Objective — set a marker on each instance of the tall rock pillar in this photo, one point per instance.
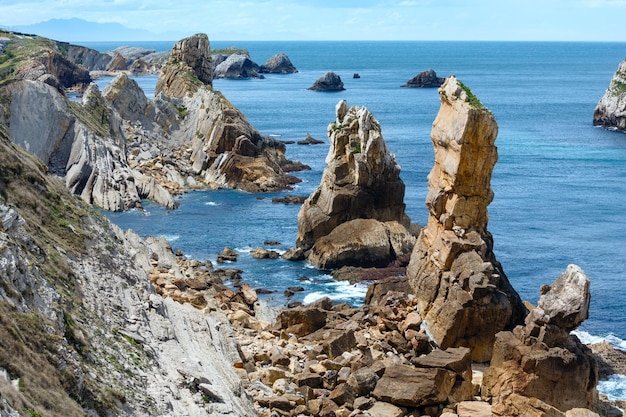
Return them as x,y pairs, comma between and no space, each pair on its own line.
463,294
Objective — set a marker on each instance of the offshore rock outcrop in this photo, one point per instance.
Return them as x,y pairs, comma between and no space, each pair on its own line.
278,64
237,66
425,79
361,181
463,294
328,82
564,373
611,109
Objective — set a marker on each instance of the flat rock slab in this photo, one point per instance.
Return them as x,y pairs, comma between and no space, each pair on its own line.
414,387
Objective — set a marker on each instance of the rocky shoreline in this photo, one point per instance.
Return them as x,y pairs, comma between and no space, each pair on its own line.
96,321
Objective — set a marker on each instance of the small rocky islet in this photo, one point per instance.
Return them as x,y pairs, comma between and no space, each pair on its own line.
118,325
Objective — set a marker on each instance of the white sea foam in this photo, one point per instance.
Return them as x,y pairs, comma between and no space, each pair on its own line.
338,291
170,238
212,204
589,339
614,387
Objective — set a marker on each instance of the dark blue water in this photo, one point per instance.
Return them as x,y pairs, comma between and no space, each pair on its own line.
560,183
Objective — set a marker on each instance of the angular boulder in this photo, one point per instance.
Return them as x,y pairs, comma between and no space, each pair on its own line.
361,181
611,109
361,242
462,292
425,79
414,387
328,82
540,361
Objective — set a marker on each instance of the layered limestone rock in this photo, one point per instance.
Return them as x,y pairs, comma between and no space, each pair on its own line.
80,324
226,150
81,141
361,181
190,56
123,148
540,362
463,294
611,109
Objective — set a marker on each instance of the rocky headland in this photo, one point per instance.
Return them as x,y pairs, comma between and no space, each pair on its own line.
95,321
117,147
611,109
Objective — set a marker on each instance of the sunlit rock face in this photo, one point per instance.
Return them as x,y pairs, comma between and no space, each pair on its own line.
361,181
611,109
463,293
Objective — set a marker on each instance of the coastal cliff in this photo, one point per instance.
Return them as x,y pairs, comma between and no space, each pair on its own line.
117,148
82,330
611,109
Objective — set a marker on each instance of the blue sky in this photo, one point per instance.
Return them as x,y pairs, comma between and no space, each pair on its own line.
552,20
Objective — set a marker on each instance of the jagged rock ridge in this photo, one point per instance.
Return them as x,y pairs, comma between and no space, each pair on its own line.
115,152
463,294
611,109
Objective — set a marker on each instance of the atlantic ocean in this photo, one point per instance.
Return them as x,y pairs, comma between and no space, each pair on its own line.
559,184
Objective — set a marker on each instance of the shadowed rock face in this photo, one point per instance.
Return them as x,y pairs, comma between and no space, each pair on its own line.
463,293
361,180
611,109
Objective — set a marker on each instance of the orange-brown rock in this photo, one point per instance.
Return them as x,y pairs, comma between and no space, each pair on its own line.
361,180
188,68
541,360
463,294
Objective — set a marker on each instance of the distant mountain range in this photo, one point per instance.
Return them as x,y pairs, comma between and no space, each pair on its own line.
77,30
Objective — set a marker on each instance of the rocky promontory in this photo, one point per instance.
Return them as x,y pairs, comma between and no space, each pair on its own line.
611,109
463,293
356,215
118,148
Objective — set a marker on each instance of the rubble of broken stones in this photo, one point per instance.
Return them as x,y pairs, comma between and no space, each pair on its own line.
326,359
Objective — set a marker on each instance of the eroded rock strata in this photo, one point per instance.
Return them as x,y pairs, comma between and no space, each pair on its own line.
611,109
117,148
463,294
356,215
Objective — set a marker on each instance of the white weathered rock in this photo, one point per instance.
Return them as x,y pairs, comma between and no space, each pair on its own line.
611,109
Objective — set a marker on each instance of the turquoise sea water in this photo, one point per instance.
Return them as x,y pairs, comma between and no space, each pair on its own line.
560,183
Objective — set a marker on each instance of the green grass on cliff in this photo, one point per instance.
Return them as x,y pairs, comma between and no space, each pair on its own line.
21,49
471,97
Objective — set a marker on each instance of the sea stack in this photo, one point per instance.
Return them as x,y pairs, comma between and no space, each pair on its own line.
611,110
361,182
463,294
